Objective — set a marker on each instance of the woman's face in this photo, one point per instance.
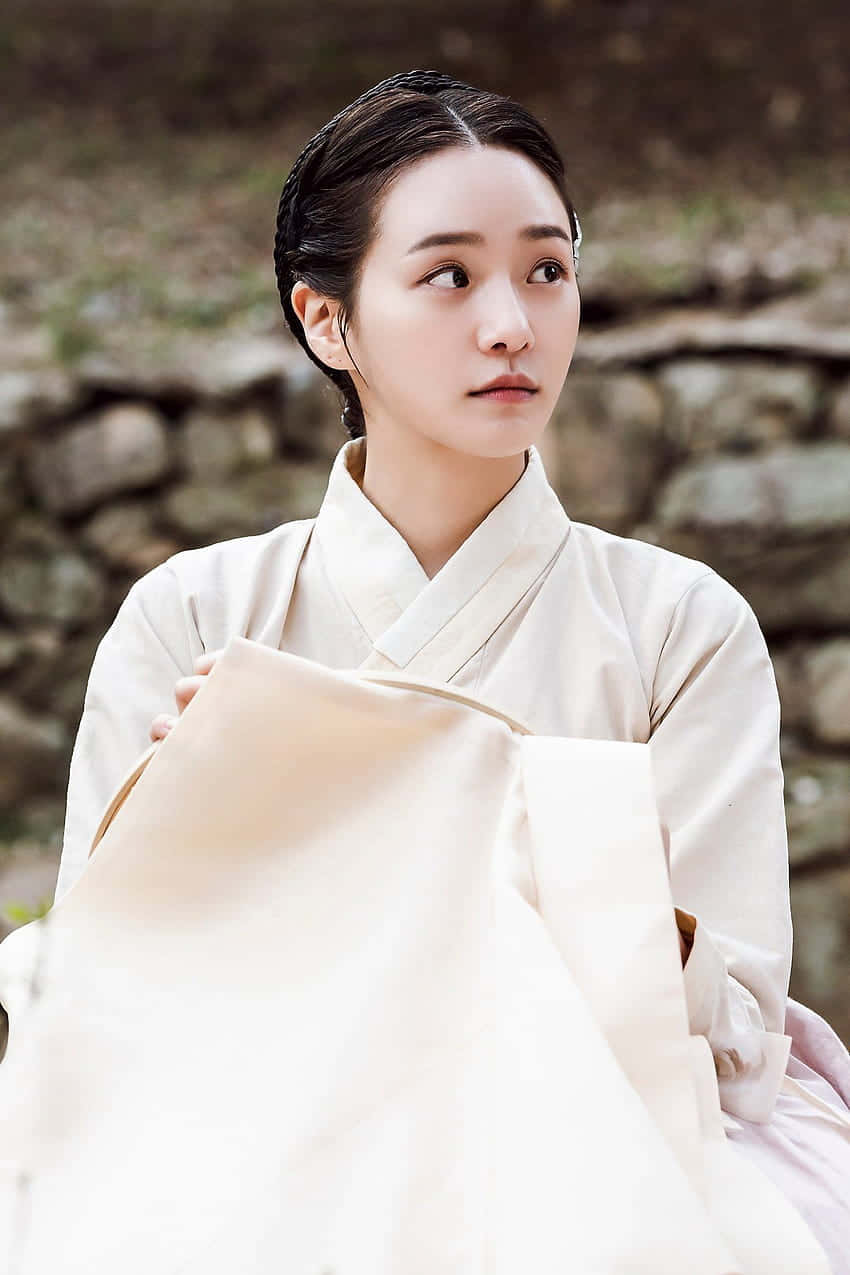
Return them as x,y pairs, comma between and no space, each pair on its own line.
436,322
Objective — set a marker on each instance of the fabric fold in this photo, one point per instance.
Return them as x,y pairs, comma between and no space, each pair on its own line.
379,1056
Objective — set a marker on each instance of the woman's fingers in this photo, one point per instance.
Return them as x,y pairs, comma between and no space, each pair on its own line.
184,689
161,725
204,662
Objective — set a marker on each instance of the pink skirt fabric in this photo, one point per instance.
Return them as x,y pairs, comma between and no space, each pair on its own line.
805,1147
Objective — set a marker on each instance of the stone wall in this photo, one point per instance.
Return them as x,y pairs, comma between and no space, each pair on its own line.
721,435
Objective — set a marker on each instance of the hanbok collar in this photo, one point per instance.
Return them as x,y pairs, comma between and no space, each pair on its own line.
432,627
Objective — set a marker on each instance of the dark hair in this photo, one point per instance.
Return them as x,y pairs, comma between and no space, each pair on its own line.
329,205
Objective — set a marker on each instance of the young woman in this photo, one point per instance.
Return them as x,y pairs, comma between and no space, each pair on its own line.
426,256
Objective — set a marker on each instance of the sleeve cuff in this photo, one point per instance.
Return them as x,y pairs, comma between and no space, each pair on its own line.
750,1062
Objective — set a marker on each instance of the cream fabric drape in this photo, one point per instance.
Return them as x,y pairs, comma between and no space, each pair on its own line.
578,633
573,630
363,979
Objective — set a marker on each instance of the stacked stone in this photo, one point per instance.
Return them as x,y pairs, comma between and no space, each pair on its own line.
721,434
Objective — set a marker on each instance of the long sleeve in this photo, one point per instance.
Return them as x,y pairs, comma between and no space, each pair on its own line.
152,642
719,786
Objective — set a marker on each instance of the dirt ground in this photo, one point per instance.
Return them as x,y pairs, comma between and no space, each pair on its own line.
639,92
146,143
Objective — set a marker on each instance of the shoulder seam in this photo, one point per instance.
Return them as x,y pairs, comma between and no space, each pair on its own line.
232,540
684,594
703,576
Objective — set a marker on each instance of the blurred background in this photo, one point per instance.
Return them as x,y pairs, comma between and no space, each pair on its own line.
151,399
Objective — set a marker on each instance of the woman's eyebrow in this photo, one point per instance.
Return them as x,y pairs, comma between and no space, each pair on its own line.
441,237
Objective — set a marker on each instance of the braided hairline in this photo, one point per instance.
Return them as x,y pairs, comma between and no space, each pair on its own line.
417,81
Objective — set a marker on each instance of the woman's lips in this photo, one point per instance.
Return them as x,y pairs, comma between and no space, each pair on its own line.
507,394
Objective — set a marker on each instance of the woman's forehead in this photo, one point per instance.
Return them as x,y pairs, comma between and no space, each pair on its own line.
485,191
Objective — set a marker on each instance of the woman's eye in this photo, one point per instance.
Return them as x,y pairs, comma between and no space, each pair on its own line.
450,270
459,270
555,265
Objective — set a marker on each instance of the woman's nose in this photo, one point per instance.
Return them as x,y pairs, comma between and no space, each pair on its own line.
505,321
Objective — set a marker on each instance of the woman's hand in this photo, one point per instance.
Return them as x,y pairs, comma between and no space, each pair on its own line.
684,945
684,949
185,688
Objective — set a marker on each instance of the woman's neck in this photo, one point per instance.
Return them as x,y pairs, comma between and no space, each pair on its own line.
434,497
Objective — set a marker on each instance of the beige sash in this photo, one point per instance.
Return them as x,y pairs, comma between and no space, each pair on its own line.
363,978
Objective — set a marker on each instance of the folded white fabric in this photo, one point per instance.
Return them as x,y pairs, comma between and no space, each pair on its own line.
364,978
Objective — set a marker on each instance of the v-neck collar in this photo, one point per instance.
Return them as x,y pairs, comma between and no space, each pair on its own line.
433,626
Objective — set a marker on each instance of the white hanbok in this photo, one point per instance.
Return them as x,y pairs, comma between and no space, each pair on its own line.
576,632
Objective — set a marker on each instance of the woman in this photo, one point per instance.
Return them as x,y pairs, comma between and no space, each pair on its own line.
430,220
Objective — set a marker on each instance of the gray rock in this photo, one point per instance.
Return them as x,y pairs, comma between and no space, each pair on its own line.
792,684
215,444
839,411
122,447
309,425
797,491
803,585
43,578
157,361
146,358
820,909
11,649
825,306
154,360
777,251
12,493
32,752
51,677
713,405
647,270
34,652
24,346
247,505
637,252
789,587
800,326
828,674
121,372
235,366
605,439
125,535
29,396
27,885
716,495
817,806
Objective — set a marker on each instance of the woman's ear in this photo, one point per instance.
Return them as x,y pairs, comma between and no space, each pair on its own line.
318,315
